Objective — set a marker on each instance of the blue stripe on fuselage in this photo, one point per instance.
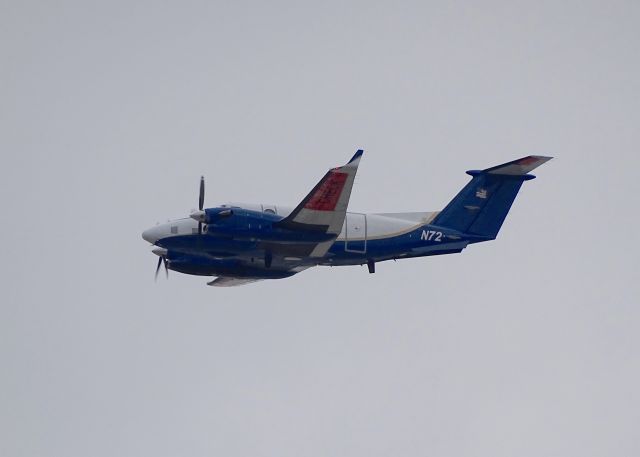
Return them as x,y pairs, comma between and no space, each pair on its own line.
424,240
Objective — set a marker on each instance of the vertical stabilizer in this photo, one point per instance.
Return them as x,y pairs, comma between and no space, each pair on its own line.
482,205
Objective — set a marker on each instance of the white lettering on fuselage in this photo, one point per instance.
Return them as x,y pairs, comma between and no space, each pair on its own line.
431,235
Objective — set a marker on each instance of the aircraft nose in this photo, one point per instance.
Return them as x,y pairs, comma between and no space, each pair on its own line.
150,235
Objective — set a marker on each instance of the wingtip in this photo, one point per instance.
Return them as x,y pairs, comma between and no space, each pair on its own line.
356,156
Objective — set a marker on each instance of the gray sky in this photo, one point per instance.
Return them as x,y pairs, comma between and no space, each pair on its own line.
109,113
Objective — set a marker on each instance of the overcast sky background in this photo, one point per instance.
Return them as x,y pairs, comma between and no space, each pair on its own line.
525,346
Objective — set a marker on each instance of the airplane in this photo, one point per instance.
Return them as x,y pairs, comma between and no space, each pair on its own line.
243,243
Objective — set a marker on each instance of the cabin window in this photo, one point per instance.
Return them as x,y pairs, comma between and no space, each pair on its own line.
174,229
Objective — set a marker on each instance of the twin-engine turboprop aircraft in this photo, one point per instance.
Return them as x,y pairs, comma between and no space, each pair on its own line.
243,243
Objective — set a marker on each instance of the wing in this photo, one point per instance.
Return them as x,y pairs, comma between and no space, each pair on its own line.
226,281
230,281
324,208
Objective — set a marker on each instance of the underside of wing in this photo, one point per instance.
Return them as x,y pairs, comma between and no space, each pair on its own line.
232,281
226,281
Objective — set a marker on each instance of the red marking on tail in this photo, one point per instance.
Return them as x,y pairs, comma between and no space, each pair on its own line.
527,161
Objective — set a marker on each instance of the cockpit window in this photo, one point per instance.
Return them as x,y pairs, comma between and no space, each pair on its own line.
269,210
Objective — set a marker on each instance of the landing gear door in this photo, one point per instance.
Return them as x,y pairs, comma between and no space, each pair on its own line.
355,233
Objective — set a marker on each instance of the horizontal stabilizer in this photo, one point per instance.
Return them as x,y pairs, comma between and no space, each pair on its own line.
518,167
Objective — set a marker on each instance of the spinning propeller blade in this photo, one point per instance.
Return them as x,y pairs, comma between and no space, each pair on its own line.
162,260
201,202
158,267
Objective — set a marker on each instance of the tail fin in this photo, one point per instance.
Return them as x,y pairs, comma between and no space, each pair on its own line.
482,205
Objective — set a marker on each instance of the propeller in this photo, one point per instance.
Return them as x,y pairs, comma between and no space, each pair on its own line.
201,203
162,260
198,215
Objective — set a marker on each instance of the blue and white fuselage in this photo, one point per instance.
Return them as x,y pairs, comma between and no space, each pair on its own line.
241,243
